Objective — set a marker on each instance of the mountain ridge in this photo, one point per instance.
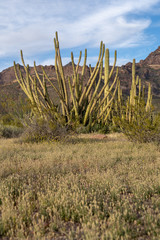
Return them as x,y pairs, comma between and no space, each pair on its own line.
147,69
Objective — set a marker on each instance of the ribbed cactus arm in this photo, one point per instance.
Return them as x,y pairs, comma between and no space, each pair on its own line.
19,79
149,98
88,110
140,89
59,60
133,86
101,53
106,72
110,101
37,75
25,84
114,64
79,60
25,68
73,99
109,90
75,77
57,91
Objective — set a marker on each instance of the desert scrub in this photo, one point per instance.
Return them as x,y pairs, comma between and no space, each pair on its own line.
8,131
84,190
144,126
13,108
38,129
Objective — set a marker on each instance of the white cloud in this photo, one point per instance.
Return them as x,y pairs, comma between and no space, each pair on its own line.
30,25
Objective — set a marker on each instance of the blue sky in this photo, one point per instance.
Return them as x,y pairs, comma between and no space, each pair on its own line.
132,27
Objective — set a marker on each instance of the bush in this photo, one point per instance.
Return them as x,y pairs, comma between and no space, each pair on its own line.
10,131
148,131
13,108
144,125
39,129
11,120
100,128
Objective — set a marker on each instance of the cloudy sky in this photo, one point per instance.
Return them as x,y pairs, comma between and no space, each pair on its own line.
132,27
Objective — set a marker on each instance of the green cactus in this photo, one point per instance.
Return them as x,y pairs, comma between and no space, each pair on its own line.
149,99
135,98
77,101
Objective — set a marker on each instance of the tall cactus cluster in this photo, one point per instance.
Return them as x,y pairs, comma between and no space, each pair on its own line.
80,102
137,120
137,95
97,100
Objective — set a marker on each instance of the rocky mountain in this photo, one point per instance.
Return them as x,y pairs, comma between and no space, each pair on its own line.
148,70
153,59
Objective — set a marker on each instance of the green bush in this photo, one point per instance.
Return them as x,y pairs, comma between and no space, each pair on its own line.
10,119
14,105
7,131
13,109
100,128
144,126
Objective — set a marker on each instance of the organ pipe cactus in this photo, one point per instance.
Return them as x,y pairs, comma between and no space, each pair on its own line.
136,97
79,100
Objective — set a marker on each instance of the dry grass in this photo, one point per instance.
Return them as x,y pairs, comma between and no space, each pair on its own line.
80,189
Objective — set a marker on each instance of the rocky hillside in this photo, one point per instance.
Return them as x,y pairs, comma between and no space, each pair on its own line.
148,70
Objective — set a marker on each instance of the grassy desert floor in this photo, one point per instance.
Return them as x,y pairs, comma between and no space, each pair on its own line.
84,188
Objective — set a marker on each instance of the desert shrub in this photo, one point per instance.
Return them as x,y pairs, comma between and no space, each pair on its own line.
101,128
144,126
7,131
10,120
81,129
14,105
39,129
97,127
13,109
7,119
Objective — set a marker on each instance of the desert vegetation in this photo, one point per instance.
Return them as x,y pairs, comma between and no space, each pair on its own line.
78,102
85,166
80,189
97,104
